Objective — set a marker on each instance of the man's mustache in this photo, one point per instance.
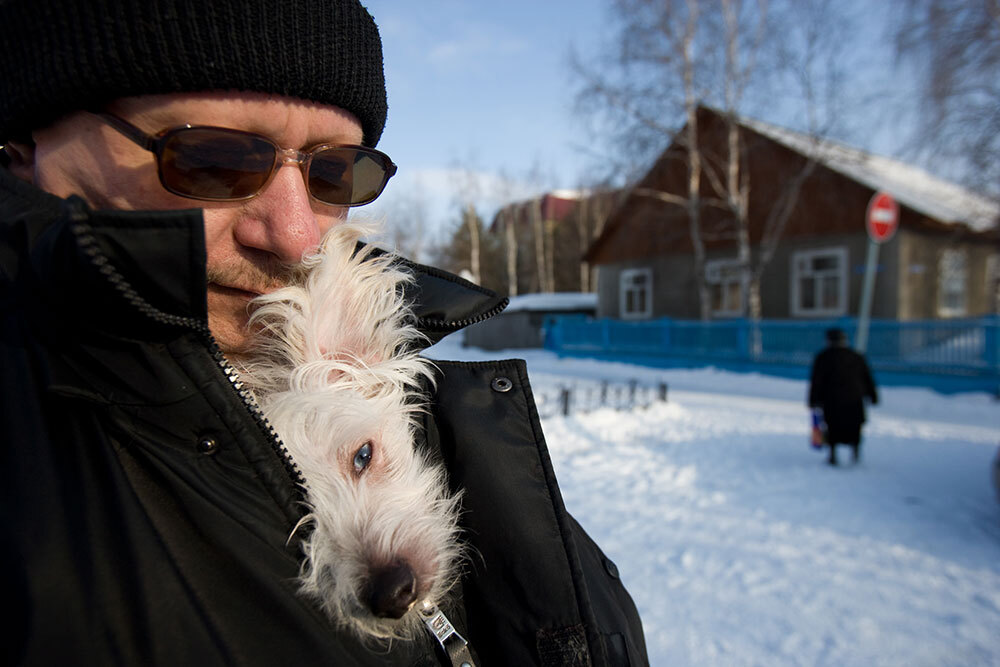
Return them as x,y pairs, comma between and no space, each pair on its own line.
261,278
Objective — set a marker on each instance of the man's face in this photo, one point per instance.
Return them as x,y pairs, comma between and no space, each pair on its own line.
248,242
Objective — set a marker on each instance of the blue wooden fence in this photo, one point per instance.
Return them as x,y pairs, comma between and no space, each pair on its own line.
947,355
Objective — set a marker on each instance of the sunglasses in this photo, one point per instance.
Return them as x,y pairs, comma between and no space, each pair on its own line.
222,164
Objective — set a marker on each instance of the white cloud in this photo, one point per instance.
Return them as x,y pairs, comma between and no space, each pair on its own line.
473,41
440,192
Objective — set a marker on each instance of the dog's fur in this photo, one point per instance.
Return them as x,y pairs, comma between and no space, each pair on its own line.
335,369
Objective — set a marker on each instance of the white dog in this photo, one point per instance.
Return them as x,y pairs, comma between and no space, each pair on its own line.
339,381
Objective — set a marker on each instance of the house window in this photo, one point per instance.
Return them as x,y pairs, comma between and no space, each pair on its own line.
636,293
953,277
819,282
993,283
724,286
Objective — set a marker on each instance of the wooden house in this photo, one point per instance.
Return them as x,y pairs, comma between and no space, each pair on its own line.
943,262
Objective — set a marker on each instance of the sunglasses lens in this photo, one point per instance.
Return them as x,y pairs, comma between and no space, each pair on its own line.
215,164
347,176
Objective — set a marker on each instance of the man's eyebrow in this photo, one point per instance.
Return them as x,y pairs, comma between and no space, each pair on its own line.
157,119
150,120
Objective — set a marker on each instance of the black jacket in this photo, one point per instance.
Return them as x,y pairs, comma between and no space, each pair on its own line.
146,506
840,380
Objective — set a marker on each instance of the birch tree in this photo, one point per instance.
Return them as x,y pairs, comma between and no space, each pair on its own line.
811,65
467,194
506,224
954,46
405,228
455,254
597,201
739,65
673,57
664,55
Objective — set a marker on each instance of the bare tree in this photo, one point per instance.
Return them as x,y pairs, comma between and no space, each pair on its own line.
506,223
739,65
672,58
955,47
456,254
405,228
596,202
542,229
523,223
654,77
810,64
472,222
584,216
468,190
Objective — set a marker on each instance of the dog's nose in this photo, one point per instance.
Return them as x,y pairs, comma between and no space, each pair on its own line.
392,591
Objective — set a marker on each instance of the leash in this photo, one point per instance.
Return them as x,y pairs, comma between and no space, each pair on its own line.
454,644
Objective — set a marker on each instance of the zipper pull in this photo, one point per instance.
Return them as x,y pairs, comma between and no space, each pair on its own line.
454,644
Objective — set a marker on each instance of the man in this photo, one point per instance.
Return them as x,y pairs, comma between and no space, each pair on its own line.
840,382
147,506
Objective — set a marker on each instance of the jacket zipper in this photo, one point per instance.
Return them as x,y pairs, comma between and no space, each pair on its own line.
429,324
437,624
88,244
453,644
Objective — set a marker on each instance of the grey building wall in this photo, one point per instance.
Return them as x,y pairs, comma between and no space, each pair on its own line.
675,290
506,330
518,329
920,279
776,286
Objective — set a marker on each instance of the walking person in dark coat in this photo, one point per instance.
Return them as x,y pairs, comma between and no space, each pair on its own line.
839,383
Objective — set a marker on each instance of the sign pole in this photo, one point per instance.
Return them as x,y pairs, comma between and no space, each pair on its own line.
867,291
881,220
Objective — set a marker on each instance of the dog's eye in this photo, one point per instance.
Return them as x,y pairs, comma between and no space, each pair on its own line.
363,457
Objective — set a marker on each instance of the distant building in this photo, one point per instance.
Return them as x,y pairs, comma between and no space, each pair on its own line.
521,324
943,262
545,237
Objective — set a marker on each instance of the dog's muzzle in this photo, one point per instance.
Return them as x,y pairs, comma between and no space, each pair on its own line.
391,591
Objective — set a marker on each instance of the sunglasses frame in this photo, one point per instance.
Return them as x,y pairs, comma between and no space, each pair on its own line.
155,143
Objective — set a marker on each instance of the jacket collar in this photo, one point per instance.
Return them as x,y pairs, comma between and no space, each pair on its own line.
155,260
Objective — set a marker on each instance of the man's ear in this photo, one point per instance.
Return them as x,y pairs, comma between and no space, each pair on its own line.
21,155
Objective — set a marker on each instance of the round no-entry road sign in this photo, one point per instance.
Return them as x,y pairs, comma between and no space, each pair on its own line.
882,218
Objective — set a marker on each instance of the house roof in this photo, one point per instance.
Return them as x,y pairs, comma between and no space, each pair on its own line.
555,205
553,302
937,201
909,185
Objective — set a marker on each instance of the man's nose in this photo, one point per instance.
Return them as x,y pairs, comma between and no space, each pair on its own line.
281,220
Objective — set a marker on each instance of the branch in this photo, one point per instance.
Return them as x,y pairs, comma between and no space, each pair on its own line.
779,215
665,197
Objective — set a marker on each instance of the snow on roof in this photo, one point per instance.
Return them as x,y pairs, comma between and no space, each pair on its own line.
909,185
569,194
556,301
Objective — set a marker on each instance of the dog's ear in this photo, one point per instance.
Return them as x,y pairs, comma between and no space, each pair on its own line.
345,327
356,312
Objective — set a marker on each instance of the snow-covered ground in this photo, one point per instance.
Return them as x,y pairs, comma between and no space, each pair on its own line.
741,546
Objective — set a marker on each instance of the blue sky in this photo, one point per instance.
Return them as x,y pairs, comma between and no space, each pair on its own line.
487,87
476,78
484,86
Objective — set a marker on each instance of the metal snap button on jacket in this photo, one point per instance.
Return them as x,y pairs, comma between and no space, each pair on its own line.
207,446
501,384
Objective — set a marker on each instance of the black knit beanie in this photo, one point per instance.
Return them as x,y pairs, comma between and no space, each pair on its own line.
64,55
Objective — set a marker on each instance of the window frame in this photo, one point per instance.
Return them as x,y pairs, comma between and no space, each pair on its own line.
993,284
943,308
713,276
623,288
843,296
